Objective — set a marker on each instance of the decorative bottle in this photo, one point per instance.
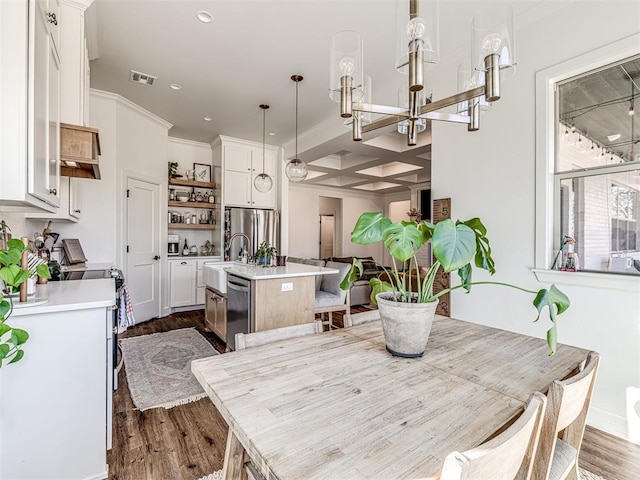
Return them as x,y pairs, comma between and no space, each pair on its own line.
185,249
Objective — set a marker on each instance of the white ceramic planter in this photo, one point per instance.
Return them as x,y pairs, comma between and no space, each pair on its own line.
406,326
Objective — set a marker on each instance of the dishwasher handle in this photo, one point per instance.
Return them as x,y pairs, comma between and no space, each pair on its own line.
237,287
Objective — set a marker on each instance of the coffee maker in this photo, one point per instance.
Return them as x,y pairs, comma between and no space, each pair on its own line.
173,242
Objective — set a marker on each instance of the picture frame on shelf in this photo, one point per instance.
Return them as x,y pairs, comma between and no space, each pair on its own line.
202,172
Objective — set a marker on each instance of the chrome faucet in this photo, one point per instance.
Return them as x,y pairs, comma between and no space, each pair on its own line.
240,234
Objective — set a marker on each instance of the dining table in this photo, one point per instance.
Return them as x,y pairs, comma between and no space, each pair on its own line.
337,405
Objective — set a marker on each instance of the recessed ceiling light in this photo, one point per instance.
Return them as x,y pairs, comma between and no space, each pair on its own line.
207,119
272,133
614,137
204,16
175,86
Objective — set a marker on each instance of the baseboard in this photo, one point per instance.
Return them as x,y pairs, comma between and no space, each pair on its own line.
608,422
187,309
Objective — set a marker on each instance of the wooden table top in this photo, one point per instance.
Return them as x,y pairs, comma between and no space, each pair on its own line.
338,405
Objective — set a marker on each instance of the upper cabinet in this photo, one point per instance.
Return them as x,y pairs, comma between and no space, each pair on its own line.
242,162
29,95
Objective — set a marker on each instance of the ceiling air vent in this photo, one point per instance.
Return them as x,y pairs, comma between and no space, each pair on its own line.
143,78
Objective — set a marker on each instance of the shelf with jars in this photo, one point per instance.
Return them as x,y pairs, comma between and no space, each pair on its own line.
194,199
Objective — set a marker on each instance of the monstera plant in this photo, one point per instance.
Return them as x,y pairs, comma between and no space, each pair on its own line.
457,247
12,275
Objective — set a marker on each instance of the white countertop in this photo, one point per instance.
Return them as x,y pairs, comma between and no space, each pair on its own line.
255,272
81,267
68,295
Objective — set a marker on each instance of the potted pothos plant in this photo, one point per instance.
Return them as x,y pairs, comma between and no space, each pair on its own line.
12,275
264,253
457,247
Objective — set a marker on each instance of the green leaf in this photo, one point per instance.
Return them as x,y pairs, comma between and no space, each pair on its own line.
4,328
352,275
19,336
17,357
369,228
4,309
557,302
465,276
402,241
4,349
453,245
16,244
14,275
550,298
43,271
379,286
483,257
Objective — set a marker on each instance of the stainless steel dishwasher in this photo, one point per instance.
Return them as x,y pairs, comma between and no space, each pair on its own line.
238,308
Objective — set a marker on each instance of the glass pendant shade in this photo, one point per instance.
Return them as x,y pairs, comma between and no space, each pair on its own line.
263,183
296,170
468,79
345,61
420,32
492,33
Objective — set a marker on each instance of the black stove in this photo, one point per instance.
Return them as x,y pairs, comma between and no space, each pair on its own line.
94,274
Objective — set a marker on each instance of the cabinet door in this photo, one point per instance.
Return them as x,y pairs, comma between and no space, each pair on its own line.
44,135
237,188
75,198
237,158
267,199
209,310
182,283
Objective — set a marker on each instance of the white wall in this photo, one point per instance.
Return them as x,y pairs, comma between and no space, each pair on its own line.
304,229
490,174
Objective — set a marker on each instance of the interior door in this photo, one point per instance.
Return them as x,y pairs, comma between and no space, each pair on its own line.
327,235
142,271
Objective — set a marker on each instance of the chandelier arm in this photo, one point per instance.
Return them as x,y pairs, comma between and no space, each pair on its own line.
398,114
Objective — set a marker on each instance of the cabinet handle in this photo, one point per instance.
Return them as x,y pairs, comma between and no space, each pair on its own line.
77,211
53,191
52,18
183,263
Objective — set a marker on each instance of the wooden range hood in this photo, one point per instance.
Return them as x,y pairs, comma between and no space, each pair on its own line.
79,150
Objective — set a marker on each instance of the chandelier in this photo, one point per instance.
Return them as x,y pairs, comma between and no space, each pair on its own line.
492,50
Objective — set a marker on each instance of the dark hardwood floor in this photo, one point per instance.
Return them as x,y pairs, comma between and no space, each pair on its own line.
187,442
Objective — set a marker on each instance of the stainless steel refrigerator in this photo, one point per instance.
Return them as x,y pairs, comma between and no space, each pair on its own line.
259,225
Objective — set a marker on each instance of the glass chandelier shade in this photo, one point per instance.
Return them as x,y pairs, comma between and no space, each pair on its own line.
492,33
362,95
417,33
345,65
296,170
263,182
469,78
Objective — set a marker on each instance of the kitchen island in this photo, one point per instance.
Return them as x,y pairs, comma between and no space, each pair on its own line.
55,403
251,298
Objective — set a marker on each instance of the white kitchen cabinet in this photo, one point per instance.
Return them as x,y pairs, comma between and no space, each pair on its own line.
70,202
56,403
242,162
182,283
186,281
29,95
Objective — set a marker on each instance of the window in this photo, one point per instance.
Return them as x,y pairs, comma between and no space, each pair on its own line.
588,159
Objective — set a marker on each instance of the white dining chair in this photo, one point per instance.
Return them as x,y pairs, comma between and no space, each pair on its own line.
507,456
564,423
255,339
361,317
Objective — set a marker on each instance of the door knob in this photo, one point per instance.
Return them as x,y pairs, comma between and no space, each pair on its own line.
157,257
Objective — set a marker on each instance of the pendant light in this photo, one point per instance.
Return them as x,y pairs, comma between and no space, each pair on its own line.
296,169
263,182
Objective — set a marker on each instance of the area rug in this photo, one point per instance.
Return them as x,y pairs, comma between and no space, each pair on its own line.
158,367
584,475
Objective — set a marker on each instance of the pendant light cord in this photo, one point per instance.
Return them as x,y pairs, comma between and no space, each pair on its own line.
264,121
297,120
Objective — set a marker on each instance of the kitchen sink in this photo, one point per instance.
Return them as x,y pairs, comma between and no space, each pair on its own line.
214,275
